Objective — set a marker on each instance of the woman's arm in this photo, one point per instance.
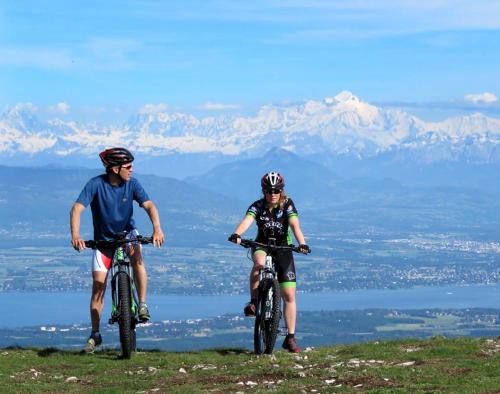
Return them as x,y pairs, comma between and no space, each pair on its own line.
295,226
243,226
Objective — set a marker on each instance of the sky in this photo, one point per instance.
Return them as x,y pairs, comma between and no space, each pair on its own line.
111,58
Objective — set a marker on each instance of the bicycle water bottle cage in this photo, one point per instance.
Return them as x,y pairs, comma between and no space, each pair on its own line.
120,256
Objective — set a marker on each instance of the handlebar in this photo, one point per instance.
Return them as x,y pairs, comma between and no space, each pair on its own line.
248,243
92,244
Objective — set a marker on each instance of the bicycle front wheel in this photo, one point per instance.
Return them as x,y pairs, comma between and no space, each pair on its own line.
267,316
127,332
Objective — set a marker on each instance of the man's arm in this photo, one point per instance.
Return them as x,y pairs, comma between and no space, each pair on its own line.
150,208
74,220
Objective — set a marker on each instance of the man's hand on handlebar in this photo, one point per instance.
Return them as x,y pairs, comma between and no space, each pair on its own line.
236,238
158,238
78,243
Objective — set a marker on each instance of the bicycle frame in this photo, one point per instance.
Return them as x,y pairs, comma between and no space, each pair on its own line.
268,272
120,263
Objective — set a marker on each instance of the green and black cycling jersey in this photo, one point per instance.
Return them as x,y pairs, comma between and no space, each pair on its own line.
274,222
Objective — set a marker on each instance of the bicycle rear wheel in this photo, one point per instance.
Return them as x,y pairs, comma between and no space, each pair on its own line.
267,316
125,321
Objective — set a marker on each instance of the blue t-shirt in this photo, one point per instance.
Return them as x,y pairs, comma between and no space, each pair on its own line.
112,206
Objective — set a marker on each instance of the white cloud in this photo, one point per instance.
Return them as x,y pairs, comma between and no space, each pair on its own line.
481,98
61,108
47,58
26,107
153,108
219,107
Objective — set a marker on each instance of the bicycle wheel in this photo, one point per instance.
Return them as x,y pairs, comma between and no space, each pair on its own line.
267,316
127,334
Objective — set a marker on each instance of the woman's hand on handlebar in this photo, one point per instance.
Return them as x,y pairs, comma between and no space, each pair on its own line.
236,238
304,248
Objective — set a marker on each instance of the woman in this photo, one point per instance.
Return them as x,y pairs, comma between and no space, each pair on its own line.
275,214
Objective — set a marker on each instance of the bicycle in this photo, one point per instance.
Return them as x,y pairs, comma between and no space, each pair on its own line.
268,308
124,307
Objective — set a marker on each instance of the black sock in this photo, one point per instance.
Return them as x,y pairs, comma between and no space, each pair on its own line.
290,336
95,334
254,301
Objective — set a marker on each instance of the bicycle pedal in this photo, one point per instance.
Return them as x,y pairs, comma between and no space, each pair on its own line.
111,321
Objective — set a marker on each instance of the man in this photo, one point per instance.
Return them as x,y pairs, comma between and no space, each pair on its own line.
111,196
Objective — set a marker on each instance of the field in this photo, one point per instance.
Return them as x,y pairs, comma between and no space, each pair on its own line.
435,365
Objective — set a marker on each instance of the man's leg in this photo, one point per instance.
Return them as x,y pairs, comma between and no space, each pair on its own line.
96,306
97,298
141,280
140,275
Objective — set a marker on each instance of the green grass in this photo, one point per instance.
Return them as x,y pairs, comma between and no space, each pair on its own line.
439,323
409,366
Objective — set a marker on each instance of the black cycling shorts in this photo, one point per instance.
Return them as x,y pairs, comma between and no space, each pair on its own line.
285,267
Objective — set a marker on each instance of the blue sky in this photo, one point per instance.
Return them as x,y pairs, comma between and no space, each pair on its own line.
112,57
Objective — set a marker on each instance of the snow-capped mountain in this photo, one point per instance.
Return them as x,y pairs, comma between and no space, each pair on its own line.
339,125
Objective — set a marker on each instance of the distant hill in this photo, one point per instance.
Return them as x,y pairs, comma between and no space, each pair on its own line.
406,366
35,203
306,181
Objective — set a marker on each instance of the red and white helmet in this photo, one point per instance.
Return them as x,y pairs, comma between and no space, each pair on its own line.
116,157
272,180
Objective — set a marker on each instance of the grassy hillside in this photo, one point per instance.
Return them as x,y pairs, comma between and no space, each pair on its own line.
436,365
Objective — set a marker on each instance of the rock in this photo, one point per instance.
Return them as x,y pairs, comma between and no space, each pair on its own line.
251,384
298,366
153,370
71,379
182,370
330,381
358,386
308,349
302,374
406,364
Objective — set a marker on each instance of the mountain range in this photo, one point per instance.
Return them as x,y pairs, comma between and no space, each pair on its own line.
336,128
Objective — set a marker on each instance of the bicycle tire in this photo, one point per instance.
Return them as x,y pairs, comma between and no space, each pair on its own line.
266,330
125,315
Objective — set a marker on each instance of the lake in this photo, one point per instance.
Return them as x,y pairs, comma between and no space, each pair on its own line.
37,309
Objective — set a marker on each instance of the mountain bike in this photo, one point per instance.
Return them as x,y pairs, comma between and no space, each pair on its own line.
124,307
268,308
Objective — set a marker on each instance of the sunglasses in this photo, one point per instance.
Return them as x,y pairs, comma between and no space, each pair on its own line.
128,167
273,191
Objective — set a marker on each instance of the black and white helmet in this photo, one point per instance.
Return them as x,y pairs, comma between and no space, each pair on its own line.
272,180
